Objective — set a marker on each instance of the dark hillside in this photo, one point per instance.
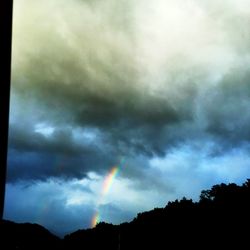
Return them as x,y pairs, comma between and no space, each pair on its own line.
220,220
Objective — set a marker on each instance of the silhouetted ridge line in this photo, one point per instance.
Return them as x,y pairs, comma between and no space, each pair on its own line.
26,236
219,220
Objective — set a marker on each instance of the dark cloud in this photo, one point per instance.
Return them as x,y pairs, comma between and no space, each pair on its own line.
33,155
61,141
111,83
227,111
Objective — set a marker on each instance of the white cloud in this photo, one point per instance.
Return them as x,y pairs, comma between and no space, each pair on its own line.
44,129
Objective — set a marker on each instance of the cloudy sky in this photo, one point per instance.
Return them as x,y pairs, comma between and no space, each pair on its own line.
159,89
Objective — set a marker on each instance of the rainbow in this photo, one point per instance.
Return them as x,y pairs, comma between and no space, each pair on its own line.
106,186
109,180
95,219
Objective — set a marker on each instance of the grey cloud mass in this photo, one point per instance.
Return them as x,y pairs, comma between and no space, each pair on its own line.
163,85
128,76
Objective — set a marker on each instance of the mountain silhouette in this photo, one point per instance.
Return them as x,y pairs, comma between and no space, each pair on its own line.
26,236
220,220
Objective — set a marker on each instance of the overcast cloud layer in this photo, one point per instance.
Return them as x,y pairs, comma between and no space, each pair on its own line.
163,85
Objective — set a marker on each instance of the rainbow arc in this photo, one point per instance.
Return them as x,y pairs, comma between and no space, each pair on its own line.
106,186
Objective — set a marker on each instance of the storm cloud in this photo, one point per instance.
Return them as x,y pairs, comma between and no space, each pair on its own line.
161,84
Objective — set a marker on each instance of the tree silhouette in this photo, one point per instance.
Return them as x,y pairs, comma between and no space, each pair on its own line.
220,219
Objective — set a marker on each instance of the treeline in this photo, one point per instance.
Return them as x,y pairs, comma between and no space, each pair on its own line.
220,220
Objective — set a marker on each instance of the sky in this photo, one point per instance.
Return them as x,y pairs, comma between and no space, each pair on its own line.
118,107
